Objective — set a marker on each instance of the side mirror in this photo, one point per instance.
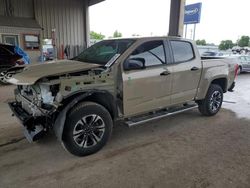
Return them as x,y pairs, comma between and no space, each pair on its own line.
134,64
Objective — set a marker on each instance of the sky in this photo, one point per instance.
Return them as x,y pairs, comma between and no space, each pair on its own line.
220,19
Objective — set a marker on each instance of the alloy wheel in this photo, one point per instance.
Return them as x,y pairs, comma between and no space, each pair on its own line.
215,101
88,131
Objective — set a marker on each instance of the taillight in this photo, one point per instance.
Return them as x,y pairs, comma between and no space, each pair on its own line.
236,69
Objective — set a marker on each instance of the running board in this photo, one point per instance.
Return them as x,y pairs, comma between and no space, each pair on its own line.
158,115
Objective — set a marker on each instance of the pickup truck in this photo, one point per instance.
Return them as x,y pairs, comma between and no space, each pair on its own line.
133,80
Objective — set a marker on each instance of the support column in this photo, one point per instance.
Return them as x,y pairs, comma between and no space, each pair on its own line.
86,26
176,25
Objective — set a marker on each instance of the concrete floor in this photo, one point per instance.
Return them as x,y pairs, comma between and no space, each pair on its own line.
186,150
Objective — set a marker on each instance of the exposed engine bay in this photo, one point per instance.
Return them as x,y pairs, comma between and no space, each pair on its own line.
45,96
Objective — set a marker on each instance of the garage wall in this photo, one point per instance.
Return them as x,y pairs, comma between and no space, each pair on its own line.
17,8
68,17
33,54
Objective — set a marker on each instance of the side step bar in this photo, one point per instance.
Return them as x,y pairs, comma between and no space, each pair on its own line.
150,117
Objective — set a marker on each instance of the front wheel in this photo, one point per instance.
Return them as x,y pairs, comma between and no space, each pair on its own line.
213,101
87,129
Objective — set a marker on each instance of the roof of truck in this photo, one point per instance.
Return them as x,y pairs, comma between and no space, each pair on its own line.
148,38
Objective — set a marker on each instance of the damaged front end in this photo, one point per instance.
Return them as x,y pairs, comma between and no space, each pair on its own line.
42,106
34,107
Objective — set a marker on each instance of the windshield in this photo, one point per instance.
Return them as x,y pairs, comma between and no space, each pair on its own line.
102,52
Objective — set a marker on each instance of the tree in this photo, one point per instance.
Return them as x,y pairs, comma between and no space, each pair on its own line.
201,42
117,34
210,44
244,41
226,44
98,36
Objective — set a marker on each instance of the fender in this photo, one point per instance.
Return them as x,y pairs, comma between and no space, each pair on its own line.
60,120
204,85
58,126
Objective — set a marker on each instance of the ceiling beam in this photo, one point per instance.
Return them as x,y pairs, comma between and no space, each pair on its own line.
93,2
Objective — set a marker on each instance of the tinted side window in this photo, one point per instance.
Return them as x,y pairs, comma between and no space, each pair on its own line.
3,51
182,51
153,53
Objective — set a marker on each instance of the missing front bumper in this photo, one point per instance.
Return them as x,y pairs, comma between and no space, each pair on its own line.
34,127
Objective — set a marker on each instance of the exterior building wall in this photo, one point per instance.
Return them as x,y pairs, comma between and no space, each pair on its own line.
69,18
33,54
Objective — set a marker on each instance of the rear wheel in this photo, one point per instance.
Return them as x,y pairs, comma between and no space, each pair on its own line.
87,129
213,101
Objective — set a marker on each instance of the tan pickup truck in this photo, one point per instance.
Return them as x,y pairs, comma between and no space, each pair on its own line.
134,80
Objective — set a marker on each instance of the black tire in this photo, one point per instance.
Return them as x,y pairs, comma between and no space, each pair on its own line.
92,126
239,70
231,88
2,83
213,101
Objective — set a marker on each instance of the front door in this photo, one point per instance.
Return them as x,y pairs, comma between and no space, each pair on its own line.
186,72
149,88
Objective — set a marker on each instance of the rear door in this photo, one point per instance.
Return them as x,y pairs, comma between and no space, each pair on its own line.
149,88
186,71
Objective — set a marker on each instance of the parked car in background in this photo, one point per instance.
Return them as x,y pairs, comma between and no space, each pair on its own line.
244,63
247,49
241,50
237,49
212,54
48,52
11,56
209,54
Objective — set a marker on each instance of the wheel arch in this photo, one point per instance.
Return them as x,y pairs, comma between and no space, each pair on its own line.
222,82
206,83
103,98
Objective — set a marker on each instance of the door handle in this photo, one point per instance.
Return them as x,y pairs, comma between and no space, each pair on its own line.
194,69
165,73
